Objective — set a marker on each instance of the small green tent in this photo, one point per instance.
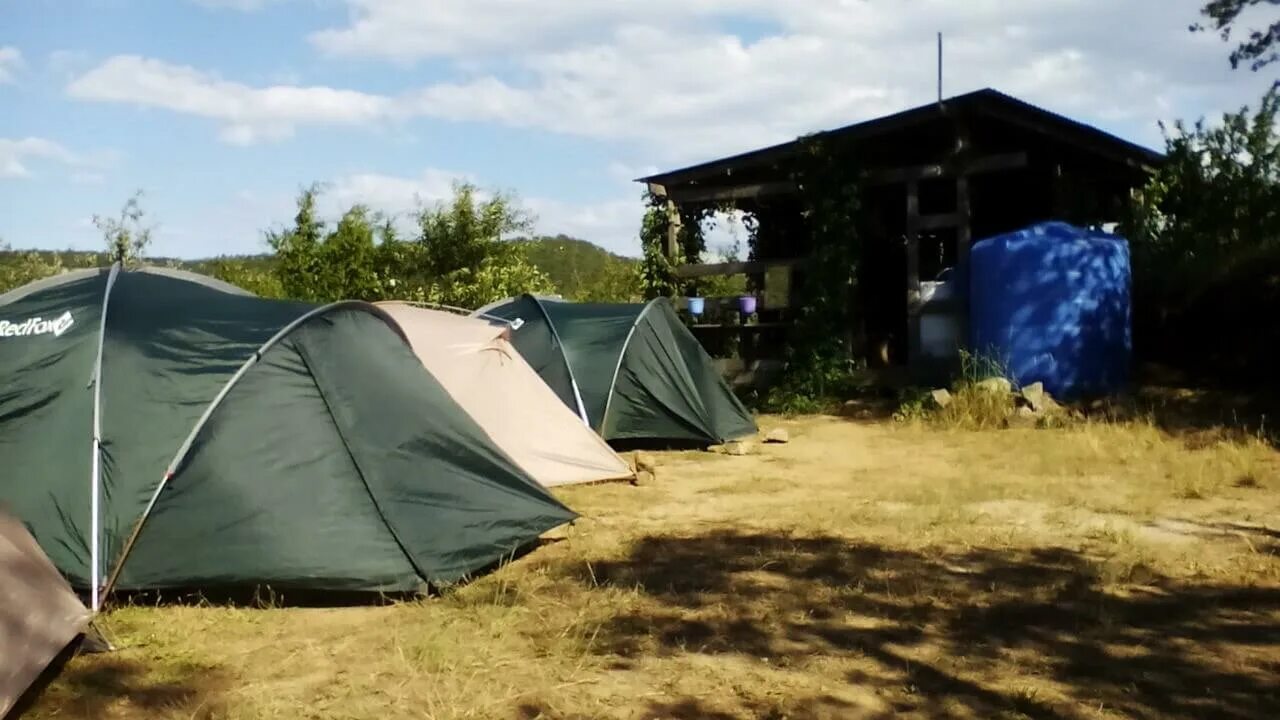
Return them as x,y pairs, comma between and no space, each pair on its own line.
163,430
631,372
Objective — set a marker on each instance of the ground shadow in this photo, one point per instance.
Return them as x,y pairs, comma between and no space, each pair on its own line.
936,634
1197,410
276,596
105,686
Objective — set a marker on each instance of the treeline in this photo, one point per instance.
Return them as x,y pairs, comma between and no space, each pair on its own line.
464,252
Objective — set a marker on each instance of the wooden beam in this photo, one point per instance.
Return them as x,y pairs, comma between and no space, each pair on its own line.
695,194
975,166
940,221
735,268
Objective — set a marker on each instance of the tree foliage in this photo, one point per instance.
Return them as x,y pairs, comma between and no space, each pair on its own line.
461,254
818,353
17,268
1259,49
126,236
1204,233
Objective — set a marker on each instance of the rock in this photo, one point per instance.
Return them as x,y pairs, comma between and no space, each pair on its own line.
1023,417
1038,400
738,447
644,477
778,435
941,397
644,462
995,385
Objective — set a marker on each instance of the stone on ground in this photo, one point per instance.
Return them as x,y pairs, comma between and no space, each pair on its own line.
738,447
941,397
1040,401
995,385
1023,417
644,461
778,435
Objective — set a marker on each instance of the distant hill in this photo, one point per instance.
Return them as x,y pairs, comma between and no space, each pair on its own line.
581,270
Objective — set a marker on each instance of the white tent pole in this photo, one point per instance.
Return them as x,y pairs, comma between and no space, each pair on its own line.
95,463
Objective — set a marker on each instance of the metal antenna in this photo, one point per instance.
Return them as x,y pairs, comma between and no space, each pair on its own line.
939,67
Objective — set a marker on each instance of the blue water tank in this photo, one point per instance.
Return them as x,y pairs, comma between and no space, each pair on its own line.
1051,304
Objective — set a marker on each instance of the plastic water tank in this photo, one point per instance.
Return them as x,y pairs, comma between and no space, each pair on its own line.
1051,304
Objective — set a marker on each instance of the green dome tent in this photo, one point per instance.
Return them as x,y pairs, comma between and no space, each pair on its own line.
163,430
631,372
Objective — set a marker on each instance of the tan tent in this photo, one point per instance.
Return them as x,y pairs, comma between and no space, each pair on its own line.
39,614
479,368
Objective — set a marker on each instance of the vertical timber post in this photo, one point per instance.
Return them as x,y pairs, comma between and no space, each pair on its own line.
913,273
964,237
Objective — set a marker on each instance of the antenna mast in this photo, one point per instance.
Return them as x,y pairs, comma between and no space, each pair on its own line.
939,67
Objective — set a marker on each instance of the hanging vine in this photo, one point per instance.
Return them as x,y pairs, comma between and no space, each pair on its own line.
658,269
818,356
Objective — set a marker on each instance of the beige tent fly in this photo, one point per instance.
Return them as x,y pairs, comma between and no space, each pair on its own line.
39,613
475,362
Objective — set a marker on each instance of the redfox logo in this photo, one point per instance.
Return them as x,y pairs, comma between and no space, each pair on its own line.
37,326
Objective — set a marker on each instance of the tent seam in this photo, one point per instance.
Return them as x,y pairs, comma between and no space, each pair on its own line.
373,498
617,368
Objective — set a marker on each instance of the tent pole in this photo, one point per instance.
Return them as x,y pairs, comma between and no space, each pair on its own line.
95,463
617,368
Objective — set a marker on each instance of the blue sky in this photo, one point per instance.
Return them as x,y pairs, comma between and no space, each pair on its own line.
221,109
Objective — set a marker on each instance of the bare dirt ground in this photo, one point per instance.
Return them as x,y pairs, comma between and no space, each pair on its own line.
866,569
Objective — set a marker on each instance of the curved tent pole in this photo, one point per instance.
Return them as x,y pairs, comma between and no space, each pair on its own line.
483,310
608,398
95,463
573,381
253,359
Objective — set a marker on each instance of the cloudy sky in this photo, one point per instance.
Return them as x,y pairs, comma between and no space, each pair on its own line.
221,109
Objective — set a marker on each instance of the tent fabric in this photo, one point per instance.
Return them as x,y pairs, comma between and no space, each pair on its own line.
39,613
633,371
243,441
478,367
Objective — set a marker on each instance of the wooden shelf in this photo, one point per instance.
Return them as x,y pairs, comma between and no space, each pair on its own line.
742,326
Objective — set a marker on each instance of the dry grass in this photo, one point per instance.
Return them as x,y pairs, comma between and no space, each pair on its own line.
865,570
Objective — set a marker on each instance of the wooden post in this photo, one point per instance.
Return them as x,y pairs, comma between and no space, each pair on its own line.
964,238
913,273
674,224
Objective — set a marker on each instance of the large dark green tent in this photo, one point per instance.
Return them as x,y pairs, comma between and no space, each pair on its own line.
630,371
163,430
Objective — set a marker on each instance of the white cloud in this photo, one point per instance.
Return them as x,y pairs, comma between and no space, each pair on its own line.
17,154
14,153
672,78
390,194
247,114
670,74
241,5
10,63
613,224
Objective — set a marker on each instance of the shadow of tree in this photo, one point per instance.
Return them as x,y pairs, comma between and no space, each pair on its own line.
105,686
985,631
1201,413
